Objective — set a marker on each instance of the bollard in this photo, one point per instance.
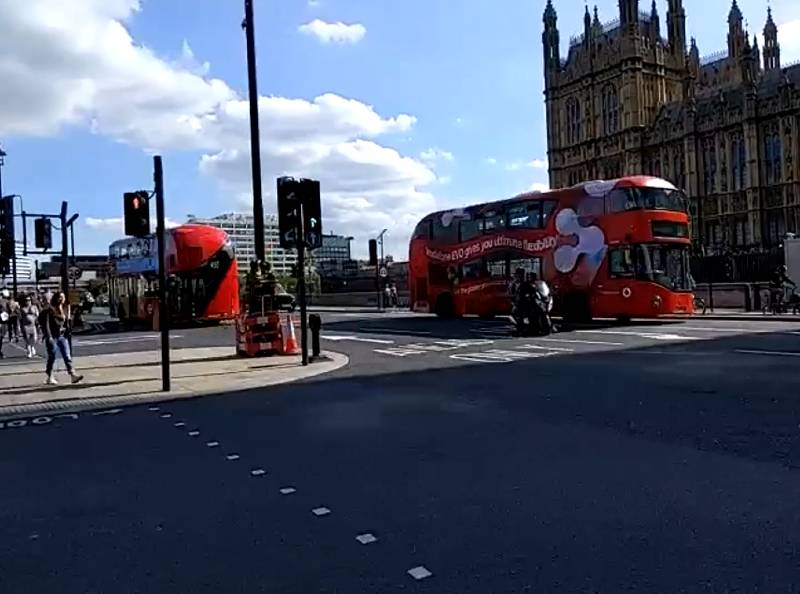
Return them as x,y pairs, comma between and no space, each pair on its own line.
315,324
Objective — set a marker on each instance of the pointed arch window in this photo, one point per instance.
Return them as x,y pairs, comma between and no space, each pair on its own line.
610,108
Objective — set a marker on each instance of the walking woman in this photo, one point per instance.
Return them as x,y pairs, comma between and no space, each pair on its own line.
29,317
56,326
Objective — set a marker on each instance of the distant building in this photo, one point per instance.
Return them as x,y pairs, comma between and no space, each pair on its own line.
240,229
333,257
26,269
627,100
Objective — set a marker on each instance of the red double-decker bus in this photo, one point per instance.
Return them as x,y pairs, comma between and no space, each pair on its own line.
609,249
202,271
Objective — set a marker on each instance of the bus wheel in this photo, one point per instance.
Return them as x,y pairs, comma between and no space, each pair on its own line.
577,309
445,308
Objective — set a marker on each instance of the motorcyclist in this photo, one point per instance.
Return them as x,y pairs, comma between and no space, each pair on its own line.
542,294
777,283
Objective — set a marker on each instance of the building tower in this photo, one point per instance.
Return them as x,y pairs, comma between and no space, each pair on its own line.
772,50
676,28
550,41
736,36
628,12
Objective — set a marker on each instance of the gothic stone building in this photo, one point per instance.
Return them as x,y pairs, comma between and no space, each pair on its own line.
726,128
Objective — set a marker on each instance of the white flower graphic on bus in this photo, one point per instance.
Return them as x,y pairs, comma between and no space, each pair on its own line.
589,242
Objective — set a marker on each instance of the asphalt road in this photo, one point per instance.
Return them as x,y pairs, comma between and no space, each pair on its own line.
651,457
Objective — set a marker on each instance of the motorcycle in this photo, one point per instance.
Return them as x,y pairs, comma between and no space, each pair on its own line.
532,310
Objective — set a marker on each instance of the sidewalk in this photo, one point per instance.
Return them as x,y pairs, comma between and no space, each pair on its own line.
134,378
721,313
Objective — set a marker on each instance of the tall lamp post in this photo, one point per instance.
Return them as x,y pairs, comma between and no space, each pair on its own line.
255,141
3,156
378,268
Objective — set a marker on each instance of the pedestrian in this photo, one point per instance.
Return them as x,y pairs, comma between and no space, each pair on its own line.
13,318
4,295
56,327
29,316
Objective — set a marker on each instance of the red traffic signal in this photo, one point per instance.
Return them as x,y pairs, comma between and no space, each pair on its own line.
137,213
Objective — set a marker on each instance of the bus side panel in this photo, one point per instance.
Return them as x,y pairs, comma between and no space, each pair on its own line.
224,305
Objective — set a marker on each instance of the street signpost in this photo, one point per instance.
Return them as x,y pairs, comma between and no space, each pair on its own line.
300,228
74,273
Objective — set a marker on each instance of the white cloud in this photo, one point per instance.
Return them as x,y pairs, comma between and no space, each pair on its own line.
539,187
115,226
78,66
491,160
535,164
337,32
789,40
432,155
314,3
444,180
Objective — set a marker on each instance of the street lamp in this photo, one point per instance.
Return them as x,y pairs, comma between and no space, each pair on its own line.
378,268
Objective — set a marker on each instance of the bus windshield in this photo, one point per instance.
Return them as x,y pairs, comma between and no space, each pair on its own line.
624,199
665,264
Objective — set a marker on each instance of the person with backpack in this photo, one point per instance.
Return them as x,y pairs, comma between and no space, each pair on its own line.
56,325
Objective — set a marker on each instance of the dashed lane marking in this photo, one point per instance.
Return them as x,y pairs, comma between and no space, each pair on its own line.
650,335
356,339
320,511
537,347
232,457
166,416
589,342
258,472
193,433
212,444
769,353
180,424
420,572
366,538
153,408
288,490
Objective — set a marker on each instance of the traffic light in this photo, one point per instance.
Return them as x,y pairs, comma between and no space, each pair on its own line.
43,232
6,234
373,252
137,213
312,213
289,201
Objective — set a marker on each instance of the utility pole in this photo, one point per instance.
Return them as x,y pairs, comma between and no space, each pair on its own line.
3,156
163,305
378,267
255,141
64,248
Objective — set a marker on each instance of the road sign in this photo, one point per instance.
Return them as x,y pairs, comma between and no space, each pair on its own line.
384,272
74,273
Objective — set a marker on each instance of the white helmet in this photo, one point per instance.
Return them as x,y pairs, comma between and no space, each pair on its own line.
5,293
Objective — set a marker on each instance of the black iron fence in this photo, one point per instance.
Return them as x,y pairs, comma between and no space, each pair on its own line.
736,268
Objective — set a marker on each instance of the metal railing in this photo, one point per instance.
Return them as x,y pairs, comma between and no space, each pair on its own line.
715,57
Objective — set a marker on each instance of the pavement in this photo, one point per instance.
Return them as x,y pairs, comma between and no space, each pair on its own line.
447,456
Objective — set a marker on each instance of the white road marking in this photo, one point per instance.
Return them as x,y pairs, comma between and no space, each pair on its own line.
500,356
366,538
180,424
732,330
232,457
166,415
212,444
651,335
146,338
399,352
113,411
320,511
356,339
419,572
547,348
153,408
194,433
396,331
258,472
772,353
592,342
288,490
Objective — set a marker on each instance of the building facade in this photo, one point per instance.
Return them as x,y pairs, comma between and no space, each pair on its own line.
632,96
333,256
26,269
240,229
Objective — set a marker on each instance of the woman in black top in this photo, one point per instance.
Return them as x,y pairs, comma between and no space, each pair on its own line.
56,326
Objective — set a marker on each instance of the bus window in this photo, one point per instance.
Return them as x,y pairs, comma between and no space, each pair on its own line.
496,267
423,230
591,206
469,229
548,206
525,215
494,221
472,270
620,263
527,264
445,233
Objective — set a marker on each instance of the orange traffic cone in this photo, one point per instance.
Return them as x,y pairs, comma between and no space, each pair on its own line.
289,338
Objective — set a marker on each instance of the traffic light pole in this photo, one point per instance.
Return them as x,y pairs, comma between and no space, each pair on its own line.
255,140
64,249
163,295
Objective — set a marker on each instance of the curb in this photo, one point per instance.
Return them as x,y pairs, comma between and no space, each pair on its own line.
333,362
747,317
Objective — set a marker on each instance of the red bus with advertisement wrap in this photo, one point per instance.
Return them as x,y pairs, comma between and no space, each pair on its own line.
609,249
202,272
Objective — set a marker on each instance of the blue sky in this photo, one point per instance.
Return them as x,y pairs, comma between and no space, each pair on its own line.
417,103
